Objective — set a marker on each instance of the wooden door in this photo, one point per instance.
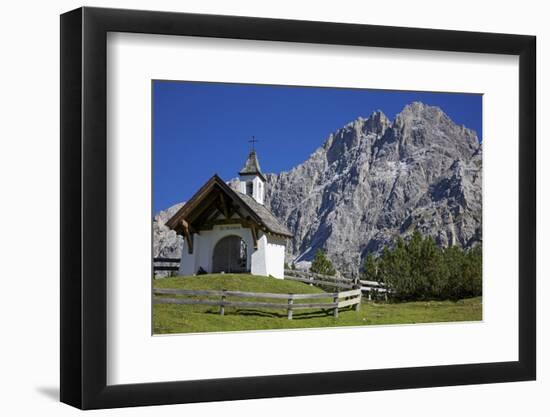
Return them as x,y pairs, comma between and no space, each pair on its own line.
229,255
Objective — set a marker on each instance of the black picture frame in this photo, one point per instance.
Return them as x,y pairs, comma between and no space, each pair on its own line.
84,207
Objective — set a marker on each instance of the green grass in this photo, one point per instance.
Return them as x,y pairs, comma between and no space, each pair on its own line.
173,318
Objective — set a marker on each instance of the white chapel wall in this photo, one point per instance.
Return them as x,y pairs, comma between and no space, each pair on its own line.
269,259
188,263
276,256
259,257
203,248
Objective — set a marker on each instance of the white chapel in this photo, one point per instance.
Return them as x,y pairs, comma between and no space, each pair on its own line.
231,231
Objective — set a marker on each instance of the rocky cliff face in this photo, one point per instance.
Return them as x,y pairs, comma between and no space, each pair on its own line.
166,243
371,181
375,179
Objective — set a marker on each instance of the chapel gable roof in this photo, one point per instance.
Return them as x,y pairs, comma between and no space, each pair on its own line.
216,196
268,218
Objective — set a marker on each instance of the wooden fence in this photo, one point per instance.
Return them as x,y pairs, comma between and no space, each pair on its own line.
321,280
166,264
221,299
370,288
374,288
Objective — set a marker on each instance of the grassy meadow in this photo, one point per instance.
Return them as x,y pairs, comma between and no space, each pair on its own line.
174,318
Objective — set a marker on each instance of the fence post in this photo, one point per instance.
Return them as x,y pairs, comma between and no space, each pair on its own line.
358,305
336,308
222,304
357,286
290,302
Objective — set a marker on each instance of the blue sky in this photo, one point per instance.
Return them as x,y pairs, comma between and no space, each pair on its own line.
200,129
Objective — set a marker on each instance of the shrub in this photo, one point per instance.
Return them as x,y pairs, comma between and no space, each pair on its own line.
321,264
420,270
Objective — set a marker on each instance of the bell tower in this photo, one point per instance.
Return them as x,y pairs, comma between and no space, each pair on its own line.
252,181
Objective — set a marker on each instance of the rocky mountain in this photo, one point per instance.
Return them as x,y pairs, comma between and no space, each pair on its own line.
372,180
166,243
375,179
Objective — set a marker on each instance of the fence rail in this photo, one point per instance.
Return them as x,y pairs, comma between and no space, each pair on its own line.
370,289
339,299
164,267
319,282
374,288
322,277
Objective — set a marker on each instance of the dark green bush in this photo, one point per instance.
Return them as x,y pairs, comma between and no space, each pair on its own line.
418,269
321,264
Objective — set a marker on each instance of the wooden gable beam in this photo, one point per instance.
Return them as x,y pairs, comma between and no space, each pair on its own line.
205,216
210,205
253,229
220,222
211,217
231,210
234,201
205,204
213,221
188,235
190,206
224,206
254,235
237,211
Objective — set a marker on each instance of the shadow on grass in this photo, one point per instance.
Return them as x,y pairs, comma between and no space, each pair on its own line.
271,314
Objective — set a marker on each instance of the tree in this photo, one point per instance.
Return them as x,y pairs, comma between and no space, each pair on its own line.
321,264
454,262
400,272
418,285
473,271
434,269
418,269
370,269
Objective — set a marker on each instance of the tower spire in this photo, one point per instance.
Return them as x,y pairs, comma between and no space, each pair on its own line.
252,166
252,180
253,141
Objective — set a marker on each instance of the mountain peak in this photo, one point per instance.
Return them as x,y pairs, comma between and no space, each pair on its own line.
377,122
419,110
416,105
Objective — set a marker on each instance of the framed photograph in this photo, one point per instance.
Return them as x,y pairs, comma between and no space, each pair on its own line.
257,208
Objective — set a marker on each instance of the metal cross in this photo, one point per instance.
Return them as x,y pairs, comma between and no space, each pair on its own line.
253,141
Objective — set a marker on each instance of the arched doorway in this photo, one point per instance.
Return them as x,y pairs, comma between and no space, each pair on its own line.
230,254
